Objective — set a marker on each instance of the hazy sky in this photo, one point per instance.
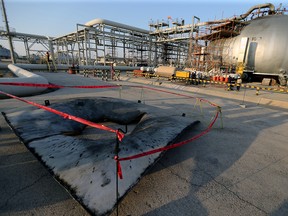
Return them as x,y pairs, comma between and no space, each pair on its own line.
59,17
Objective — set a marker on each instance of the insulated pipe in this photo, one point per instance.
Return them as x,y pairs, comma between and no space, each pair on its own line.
18,34
241,17
187,28
102,67
115,24
41,67
23,76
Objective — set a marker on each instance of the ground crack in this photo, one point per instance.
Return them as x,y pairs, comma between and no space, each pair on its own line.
178,176
22,189
234,193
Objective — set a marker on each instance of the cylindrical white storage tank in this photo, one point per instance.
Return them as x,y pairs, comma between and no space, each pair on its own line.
266,50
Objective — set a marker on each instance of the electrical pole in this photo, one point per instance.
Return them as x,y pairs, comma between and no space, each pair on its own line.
8,33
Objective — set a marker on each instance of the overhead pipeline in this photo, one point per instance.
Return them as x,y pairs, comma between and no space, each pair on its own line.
240,17
115,24
243,16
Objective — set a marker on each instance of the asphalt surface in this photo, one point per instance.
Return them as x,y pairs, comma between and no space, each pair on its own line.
238,168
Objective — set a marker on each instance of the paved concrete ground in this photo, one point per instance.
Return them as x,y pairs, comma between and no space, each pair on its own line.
27,188
261,97
238,170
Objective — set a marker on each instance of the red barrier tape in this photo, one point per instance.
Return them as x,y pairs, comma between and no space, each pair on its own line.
55,86
102,127
68,116
119,169
175,145
105,86
168,92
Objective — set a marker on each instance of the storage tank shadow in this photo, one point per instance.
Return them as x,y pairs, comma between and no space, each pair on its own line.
261,48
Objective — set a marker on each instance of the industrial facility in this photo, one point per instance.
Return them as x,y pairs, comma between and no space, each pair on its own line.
112,119
250,44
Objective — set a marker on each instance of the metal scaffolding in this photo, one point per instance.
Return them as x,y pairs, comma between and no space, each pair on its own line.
175,42
104,42
199,45
210,45
35,45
